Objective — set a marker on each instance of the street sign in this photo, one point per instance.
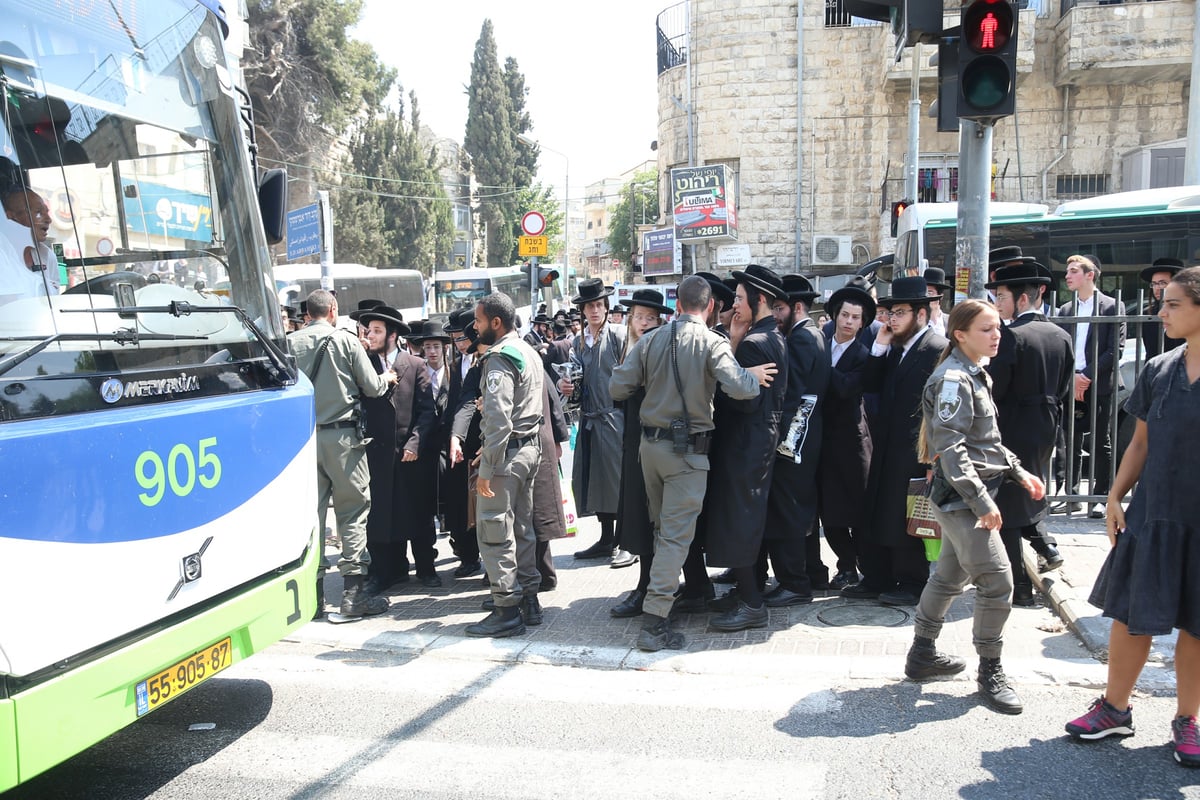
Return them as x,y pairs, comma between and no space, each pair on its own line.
303,232
534,224
528,246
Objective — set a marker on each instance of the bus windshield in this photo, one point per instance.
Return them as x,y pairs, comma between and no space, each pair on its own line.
127,195
456,294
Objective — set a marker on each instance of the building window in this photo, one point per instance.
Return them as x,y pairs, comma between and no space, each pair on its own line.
1078,186
937,184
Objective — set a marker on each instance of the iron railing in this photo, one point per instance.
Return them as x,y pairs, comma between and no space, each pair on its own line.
672,30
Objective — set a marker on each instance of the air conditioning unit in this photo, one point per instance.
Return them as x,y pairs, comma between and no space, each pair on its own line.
831,249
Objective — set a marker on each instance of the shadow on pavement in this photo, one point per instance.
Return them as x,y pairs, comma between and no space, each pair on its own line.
139,760
862,713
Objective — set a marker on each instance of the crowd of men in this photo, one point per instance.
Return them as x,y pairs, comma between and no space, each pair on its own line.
758,431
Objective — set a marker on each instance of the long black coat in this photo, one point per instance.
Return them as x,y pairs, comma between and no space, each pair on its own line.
846,448
635,529
742,457
548,520
403,419
1032,377
792,503
453,487
900,384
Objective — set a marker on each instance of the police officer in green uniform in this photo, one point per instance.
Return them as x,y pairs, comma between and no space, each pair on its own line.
680,365
511,420
340,370
959,426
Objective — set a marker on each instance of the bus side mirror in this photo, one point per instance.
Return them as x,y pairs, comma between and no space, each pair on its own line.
272,203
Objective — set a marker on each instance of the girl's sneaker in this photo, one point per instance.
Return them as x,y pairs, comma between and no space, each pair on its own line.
1187,741
1105,720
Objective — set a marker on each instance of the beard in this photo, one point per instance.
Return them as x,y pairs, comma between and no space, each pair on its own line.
487,336
910,330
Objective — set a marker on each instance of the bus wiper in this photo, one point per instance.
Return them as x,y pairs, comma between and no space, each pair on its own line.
280,371
122,337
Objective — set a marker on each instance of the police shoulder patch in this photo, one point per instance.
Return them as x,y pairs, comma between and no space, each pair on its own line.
493,380
949,399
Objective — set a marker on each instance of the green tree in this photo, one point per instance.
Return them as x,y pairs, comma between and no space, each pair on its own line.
307,79
391,208
638,205
489,141
527,155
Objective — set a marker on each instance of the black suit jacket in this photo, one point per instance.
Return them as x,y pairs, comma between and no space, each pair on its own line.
1104,342
846,443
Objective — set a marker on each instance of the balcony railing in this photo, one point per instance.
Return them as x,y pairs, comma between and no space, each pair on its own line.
672,25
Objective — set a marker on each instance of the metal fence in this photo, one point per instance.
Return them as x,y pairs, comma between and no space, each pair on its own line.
1080,474
672,33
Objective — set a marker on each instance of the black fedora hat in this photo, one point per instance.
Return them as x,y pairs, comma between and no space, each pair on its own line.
293,315
1027,274
366,305
617,309
855,291
907,290
936,277
384,314
589,290
540,319
1007,256
648,298
720,290
427,330
1171,265
762,278
799,289
459,318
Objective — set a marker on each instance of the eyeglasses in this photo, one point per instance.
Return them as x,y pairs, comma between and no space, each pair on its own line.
1159,284
898,312
457,339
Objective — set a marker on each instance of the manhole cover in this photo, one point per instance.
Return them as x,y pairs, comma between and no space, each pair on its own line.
864,615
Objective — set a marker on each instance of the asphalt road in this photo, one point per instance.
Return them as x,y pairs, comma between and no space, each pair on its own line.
304,720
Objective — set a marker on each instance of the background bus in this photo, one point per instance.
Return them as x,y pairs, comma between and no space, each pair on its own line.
1127,231
403,289
157,457
463,288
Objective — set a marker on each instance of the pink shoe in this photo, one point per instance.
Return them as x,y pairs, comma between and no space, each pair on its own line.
1187,741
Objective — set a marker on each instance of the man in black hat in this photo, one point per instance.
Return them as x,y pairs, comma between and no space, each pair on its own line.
403,455
341,371
745,436
1032,375
936,288
1097,350
454,481
846,438
538,332
789,536
894,565
596,472
870,325
722,302
1158,275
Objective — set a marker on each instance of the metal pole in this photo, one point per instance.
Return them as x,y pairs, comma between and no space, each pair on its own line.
326,240
974,201
914,129
533,289
566,273
1191,159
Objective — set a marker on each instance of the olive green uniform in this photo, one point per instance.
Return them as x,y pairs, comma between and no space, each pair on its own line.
345,371
510,423
960,423
675,482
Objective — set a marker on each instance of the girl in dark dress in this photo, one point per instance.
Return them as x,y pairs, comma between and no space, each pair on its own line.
635,531
1150,582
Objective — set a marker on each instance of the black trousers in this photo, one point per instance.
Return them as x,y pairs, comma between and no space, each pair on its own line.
1038,539
901,565
1099,446
841,541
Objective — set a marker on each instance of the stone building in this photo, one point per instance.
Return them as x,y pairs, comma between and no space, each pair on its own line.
1102,106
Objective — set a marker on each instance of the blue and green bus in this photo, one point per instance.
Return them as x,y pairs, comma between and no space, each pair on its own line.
156,440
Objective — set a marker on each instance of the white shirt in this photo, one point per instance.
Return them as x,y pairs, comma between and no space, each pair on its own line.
464,366
1083,308
435,377
838,349
881,350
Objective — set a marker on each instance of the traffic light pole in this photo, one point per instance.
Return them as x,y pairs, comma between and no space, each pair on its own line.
974,200
533,289
912,168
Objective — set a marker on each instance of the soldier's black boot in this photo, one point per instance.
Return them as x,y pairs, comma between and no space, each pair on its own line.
925,662
357,603
657,634
531,609
320,612
995,689
503,621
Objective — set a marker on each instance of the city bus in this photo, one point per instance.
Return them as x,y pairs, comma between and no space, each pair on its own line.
402,289
1126,231
463,288
157,438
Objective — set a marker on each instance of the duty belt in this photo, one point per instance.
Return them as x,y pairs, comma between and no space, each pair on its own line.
515,442
698,441
345,423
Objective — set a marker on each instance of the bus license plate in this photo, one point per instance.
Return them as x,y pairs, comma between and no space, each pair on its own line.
181,676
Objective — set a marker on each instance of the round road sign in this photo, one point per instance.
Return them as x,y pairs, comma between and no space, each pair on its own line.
533,223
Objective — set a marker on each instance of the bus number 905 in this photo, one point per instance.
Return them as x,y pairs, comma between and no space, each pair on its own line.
180,471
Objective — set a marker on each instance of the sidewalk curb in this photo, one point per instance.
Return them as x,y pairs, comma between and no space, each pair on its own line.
1082,618
1086,672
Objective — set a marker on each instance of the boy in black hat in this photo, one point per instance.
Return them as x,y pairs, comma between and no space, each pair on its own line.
1158,275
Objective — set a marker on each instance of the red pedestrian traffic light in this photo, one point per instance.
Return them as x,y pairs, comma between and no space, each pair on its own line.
987,64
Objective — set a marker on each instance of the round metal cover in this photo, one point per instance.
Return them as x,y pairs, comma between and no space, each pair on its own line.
864,615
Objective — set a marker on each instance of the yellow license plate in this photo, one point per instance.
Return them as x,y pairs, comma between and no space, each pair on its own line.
181,676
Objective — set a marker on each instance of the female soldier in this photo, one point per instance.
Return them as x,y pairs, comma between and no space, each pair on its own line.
1151,580
960,438
635,531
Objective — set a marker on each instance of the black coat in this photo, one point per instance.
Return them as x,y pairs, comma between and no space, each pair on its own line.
743,455
846,447
452,489
403,419
1032,378
548,520
793,500
894,435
